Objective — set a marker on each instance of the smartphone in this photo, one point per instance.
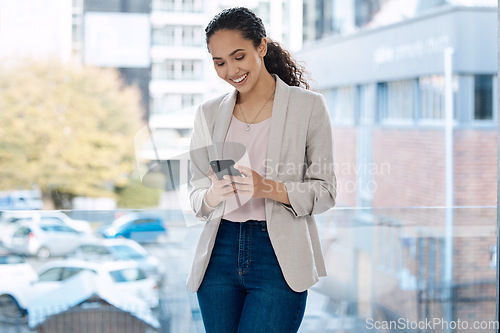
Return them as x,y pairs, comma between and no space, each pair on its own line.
224,167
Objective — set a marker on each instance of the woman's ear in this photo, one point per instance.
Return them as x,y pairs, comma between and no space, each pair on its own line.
262,49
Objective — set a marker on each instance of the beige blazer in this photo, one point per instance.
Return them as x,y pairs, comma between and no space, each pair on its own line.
300,154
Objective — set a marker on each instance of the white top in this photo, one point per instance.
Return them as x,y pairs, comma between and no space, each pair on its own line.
255,140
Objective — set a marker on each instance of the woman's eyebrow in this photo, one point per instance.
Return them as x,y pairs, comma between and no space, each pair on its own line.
231,54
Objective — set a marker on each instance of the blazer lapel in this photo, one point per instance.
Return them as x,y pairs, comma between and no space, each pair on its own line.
222,122
280,107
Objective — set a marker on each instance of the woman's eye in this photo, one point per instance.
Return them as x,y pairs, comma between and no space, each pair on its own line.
240,58
220,64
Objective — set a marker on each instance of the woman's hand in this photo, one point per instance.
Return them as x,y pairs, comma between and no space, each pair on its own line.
219,191
251,183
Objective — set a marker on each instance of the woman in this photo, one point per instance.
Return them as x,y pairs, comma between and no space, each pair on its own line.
259,251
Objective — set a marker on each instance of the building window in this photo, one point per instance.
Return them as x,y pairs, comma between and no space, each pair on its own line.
192,36
164,70
190,100
366,101
432,97
191,70
343,105
178,5
173,69
169,103
396,100
164,36
163,5
264,12
170,35
483,97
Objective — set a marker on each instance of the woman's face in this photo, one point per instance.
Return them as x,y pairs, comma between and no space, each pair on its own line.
236,60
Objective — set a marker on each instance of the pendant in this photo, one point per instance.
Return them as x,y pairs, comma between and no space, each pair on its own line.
248,128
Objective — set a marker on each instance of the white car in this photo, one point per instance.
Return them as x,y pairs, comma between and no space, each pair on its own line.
14,268
43,239
121,249
49,216
15,298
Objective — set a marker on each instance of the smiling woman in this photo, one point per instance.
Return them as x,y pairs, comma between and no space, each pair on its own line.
259,251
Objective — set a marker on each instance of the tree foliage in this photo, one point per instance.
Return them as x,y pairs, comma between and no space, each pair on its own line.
66,128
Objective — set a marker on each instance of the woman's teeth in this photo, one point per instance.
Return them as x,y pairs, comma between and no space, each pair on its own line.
238,80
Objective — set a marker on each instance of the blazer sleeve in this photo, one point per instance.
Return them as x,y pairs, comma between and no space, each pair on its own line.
316,193
200,143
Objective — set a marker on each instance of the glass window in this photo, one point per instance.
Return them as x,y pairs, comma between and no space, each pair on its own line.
342,105
483,97
126,252
431,92
366,101
11,260
52,274
127,275
164,36
163,70
397,100
432,97
192,36
69,272
163,5
191,69
93,249
21,232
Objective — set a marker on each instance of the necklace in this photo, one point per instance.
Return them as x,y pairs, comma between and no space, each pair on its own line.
262,108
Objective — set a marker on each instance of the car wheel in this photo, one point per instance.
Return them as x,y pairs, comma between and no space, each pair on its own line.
43,253
10,309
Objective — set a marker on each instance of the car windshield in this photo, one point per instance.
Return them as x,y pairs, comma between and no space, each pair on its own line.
9,260
127,275
57,228
127,252
122,221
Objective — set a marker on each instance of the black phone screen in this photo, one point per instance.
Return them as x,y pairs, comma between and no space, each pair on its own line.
224,167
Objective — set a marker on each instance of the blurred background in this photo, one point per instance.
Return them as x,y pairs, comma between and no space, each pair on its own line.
97,102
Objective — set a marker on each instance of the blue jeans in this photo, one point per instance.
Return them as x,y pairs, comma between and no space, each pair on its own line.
243,289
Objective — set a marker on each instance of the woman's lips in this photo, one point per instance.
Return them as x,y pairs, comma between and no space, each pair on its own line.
240,80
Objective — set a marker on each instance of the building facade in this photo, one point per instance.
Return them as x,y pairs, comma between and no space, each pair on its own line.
385,89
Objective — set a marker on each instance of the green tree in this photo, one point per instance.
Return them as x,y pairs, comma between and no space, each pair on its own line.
66,128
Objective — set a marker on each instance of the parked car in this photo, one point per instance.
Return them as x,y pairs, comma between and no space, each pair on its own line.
52,216
121,249
15,268
142,228
43,239
16,297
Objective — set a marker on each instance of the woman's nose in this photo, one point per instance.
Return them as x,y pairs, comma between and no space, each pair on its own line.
232,69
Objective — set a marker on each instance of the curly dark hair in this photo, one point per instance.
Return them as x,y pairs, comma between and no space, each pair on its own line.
277,60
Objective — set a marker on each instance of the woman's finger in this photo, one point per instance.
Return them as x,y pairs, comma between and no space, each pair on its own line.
243,170
239,179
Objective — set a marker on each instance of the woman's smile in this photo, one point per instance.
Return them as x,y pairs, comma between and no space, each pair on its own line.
240,80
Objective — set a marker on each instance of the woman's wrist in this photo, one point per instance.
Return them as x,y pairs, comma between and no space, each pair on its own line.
276,191
208,202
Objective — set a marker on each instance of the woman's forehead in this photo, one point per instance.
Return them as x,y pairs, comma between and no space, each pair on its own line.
224,42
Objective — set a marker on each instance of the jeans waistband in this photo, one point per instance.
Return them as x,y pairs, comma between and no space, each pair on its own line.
248,222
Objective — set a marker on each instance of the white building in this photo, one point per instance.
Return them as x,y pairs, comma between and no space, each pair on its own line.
36,29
